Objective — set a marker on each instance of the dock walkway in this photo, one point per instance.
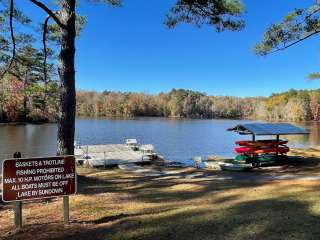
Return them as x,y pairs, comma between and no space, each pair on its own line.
110,154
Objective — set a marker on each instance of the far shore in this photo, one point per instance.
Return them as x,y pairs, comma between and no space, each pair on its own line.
143,117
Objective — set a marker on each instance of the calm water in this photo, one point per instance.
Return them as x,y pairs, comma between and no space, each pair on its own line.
175,139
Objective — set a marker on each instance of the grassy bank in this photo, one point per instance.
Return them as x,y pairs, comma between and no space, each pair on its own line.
182,204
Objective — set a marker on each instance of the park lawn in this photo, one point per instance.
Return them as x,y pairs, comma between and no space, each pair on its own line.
184,204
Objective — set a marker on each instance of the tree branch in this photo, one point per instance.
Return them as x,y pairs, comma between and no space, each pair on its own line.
45,53
295,42
12,39
49,12
308,17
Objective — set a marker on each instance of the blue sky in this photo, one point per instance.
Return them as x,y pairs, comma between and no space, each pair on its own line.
130,49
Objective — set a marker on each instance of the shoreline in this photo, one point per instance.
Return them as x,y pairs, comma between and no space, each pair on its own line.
23,123
148,117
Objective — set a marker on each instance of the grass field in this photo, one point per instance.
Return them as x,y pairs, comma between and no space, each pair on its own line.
182,204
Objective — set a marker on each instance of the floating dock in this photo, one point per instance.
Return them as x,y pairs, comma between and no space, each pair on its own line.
114,154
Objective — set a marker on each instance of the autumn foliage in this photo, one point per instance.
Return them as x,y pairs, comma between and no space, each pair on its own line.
27,103
293,105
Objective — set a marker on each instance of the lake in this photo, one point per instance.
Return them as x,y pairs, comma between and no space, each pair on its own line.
175,139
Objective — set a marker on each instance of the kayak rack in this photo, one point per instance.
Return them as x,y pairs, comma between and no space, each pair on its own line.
268,129
253,150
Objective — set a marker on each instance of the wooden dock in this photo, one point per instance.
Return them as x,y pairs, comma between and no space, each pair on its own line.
111,154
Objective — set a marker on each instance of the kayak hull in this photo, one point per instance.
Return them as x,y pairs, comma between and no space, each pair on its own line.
261,143
252,150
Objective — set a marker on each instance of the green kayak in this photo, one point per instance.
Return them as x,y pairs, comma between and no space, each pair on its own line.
242,158
235,167
266,159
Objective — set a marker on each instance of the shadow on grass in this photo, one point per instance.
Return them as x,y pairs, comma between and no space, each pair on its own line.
155,189
123,216
161,188
294,164
260,219
184,215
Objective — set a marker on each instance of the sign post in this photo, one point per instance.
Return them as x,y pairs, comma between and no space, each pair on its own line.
66,209
38,178
18,214
17,204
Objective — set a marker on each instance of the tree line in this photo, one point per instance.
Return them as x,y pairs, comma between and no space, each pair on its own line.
293,105
36,103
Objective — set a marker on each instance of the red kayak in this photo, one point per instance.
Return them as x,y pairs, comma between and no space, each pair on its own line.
261,143
251,150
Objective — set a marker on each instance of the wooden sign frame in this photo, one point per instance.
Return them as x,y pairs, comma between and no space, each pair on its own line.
38,178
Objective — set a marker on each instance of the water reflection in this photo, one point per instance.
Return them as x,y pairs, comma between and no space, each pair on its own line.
175,139
31,140
310,140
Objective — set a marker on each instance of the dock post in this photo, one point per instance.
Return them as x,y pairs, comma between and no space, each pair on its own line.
17,204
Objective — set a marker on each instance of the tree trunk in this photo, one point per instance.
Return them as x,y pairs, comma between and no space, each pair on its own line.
66,117
2,115
25,97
